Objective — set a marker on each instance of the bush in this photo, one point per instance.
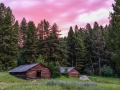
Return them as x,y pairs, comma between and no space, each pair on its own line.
56,72
55,67
88,72
66,72
106,71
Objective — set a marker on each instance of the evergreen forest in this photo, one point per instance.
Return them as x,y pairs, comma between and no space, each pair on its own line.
93,50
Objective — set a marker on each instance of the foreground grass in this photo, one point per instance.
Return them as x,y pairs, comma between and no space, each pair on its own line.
105,80
103,83
8,82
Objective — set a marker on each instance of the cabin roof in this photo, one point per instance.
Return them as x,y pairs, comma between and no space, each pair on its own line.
23,68
62,69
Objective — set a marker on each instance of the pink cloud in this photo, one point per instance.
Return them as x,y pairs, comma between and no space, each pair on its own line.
65,13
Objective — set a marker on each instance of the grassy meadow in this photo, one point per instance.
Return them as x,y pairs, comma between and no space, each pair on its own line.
8,82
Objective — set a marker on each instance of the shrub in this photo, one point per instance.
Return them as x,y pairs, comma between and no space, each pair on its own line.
55,67
88,72
55,72
66,72
106,71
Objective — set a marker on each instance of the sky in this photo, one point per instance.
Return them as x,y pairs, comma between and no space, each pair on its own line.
65,13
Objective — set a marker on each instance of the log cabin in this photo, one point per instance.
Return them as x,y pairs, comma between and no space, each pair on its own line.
31,71
71,71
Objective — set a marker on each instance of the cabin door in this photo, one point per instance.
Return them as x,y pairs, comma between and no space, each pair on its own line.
38,74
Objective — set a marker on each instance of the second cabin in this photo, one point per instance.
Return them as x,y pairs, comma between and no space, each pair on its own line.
31,71
71,71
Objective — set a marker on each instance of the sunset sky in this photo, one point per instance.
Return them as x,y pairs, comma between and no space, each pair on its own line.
65,13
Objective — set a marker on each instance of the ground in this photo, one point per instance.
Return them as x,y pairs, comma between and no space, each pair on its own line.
8,82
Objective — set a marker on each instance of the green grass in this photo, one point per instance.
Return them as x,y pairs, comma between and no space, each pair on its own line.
8,82
68,78
107,80
103,83
6,78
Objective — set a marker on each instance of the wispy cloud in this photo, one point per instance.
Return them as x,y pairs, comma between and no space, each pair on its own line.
65,13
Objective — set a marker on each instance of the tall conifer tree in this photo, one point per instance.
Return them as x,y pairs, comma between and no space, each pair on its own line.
43,31
115,40
22,40
22,32
99,45
30,52
71,47
80,52
56,53
8,37
89,46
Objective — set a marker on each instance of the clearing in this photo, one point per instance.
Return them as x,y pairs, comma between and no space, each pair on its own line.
8,82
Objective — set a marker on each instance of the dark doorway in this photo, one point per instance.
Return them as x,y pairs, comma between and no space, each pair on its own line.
39,74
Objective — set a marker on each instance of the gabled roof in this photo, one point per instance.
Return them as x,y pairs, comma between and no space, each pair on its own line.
62,69
23,68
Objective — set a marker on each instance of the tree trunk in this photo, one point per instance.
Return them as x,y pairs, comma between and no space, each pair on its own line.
76,62
6,67
99,64
72,62
92,64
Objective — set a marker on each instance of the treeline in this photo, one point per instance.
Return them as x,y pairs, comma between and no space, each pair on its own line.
87,49
92,50
25,43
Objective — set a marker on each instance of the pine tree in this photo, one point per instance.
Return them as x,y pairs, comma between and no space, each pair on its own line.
88,45
22,32
22,40
43,31
106,52
8,37
79,50
15,45
2,16
46,30
40,31
30,52
99,45
115,38
63,44
109,46
76,28
71,47
56,53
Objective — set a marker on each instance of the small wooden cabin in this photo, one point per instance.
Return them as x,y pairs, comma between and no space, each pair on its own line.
31,71
71,71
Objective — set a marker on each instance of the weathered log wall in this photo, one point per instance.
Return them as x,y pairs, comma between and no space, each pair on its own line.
32,73
74,73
